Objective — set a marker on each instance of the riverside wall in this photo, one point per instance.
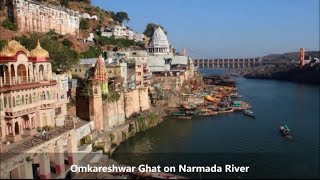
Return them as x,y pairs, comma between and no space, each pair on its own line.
108,141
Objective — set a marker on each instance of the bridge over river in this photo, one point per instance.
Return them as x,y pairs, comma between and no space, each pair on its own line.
228,63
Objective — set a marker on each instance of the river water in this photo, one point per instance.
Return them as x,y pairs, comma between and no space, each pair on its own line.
237,139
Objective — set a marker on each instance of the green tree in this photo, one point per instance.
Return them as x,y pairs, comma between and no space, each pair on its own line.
1,5
151,27
112,14
3,43
84,24
9,25
67,43
64,3
92,52
121,17
62,57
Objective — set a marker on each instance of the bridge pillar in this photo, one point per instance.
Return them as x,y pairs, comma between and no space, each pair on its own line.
44,164
59,159
72,150
24,171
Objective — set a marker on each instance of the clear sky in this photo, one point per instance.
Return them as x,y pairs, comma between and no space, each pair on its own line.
227,28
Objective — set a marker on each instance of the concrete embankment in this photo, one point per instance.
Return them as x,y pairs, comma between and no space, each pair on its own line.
110,139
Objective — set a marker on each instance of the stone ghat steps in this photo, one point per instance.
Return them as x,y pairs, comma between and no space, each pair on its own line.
26,144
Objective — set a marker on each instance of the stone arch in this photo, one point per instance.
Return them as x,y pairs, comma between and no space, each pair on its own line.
43,95
22,72
26,121
2,71
16,128
5,73
30,100
13,101
22,99
9,102
13,74
48,95
9,129
41,72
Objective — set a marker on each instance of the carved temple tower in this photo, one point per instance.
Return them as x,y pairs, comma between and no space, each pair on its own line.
98,87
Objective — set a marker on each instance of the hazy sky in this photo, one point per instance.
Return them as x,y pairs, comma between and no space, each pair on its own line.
227,28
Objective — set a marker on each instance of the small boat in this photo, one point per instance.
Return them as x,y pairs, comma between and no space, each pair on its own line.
235,95
285,130
181,115
248,113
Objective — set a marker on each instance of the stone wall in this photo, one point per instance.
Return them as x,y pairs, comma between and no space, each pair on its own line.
109,141
113,113
131,102
144,99
42,17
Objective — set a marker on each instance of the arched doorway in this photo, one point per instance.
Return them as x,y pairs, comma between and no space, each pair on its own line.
9,129
26,121
22,73
16,128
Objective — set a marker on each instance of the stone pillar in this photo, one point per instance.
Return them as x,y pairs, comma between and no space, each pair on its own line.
72,150
59,159
44,163
23,172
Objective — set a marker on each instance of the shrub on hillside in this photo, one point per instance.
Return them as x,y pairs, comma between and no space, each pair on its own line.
2,44
64,3
84,24
92,52
62,57
9,25
67,43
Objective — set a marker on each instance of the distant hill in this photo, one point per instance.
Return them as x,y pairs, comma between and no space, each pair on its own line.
290,56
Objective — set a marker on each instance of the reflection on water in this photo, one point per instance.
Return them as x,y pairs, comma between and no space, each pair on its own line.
235,138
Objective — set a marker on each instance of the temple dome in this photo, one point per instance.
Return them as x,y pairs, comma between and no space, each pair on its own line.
13,48
39,52
159,39
6,53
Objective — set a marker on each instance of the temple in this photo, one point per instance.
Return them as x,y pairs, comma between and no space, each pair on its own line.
31,96
159,44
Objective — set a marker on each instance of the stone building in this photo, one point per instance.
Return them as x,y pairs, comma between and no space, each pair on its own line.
35,16
31,96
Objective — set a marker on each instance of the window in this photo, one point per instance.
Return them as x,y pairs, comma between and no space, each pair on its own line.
58,111
139,73
34,97
43,96
19,100
5,102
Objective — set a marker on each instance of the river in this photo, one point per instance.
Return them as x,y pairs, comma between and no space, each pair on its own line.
237,139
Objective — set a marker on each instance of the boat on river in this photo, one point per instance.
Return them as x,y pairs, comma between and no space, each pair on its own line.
285,130
248,113
182,115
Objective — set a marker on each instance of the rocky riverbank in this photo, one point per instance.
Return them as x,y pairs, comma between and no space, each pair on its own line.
310,73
